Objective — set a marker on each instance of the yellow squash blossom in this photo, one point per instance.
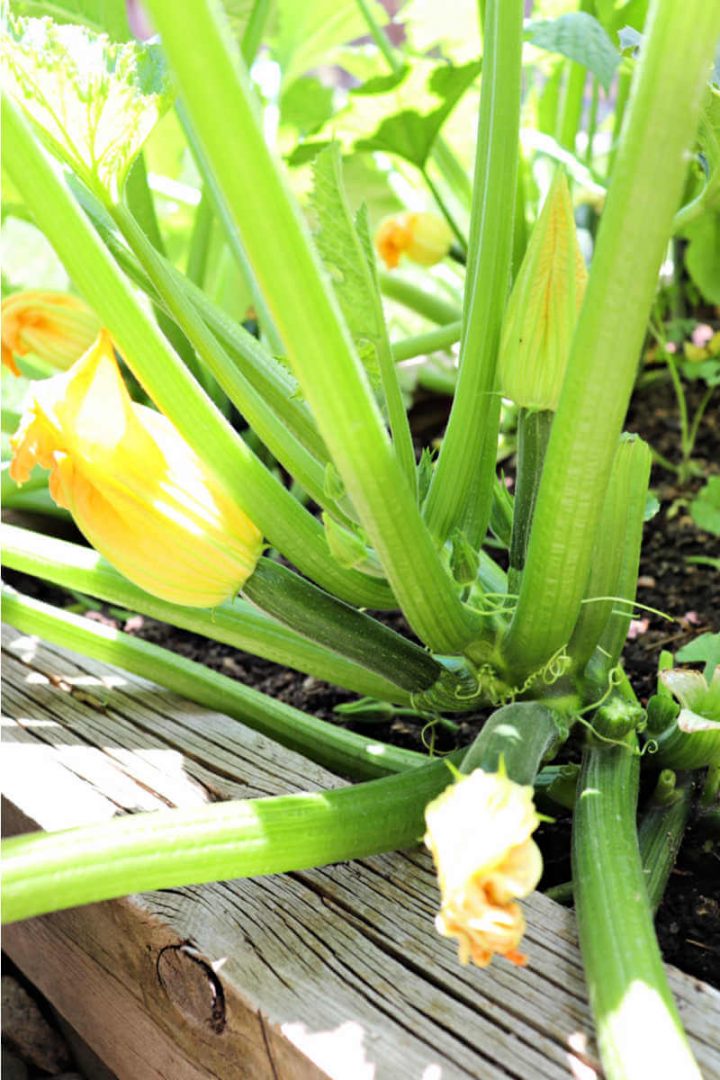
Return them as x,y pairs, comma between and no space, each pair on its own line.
137,491
56,327
479,832
424,238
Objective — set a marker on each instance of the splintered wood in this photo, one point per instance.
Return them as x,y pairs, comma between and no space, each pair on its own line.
326,973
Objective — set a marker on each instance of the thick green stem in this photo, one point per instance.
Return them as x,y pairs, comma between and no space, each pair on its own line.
639,1031
659,836
437,380
613,637
464,472
572,102
607,606
235,622
248,838
317,615
533,432
291,528
220,102
329,745
423,344
636,223
200,241
518,738
433,307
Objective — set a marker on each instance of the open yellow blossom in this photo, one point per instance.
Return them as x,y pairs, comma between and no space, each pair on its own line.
137,491
56,327
424,238
479,832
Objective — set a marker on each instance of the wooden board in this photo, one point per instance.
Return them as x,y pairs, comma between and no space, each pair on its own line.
327,973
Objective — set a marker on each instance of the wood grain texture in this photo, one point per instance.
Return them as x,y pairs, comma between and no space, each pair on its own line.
334,972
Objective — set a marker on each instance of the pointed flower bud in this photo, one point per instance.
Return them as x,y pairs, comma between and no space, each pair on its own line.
424,238
479,832
135,488
56,327
543,307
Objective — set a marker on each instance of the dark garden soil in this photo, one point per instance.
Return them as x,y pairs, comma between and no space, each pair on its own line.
689,919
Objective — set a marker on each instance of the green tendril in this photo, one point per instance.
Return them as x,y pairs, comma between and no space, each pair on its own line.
614,679
634,605
606,738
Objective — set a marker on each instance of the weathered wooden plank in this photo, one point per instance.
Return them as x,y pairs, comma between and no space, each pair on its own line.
334,972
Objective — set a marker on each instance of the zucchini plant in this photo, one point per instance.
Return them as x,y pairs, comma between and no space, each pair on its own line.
255,479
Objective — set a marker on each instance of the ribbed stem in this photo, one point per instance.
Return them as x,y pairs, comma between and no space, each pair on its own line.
200,239
533,432
317,615
638,1027
461,490
637,220
518,738
174,848
610,593
572,100
329,745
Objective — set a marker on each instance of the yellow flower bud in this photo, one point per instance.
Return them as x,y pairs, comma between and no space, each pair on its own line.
56,327
424,238
137,491
478,831
543,307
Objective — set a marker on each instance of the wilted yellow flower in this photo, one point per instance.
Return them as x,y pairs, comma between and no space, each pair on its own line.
135,488
424,238
479,833
543,307
56,327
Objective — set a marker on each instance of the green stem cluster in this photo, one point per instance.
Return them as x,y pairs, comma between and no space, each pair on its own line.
308,318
